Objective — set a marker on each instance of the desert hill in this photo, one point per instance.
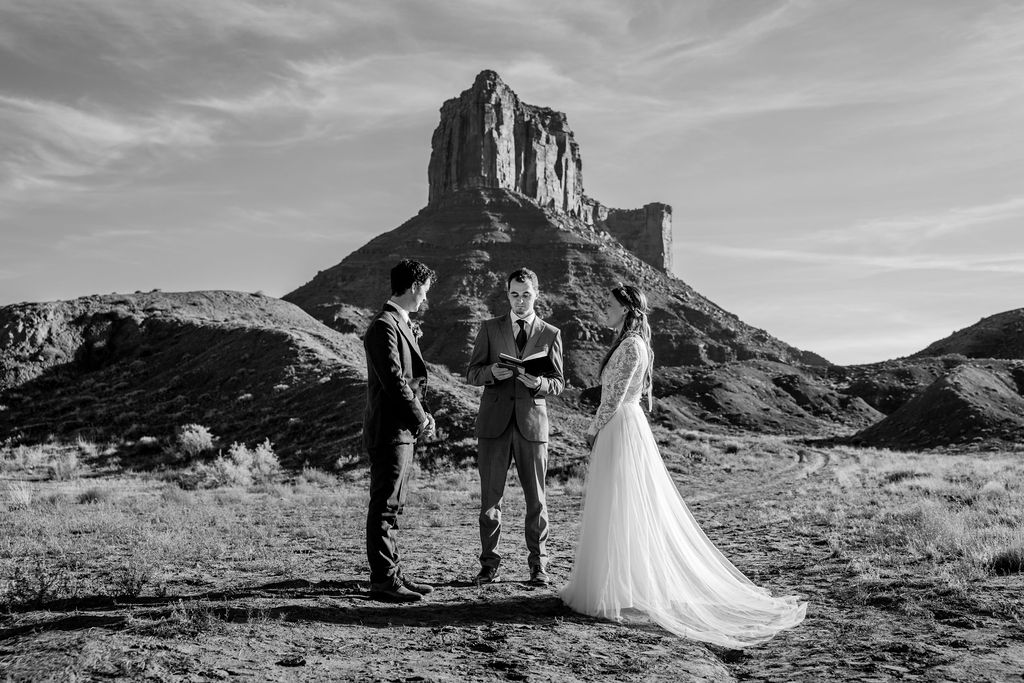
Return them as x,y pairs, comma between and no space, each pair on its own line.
246,366
997,336
969,404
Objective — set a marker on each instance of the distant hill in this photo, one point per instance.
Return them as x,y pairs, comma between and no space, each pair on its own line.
969,404
246,366
997,336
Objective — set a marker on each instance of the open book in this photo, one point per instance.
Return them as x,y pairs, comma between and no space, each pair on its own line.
538,364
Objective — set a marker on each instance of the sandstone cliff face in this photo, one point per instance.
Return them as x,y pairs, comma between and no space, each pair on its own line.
488,138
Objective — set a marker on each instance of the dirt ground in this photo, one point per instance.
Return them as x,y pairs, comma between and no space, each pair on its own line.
316,621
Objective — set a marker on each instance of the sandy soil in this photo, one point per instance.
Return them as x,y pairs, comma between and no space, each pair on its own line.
318,623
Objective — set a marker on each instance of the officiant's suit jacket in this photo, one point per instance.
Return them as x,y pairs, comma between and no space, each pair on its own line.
396,381
509,399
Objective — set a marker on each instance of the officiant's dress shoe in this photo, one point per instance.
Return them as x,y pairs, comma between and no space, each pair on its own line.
539,577
393,592
417,587
487,575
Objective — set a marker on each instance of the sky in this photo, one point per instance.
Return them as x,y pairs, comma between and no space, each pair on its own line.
846,175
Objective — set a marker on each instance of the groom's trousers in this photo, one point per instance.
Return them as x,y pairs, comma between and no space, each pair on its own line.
494,456
389,484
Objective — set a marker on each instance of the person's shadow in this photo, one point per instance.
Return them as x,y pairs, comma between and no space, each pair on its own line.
347,602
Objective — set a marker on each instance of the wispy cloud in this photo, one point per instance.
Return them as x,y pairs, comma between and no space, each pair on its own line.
979,263
913,229
697,48
52,145
75,239
337,97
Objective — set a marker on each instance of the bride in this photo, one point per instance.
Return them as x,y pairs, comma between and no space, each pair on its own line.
639,546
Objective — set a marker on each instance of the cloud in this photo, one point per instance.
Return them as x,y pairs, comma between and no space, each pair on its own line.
983,263
76,239
906,230
705,44
56,146
129,29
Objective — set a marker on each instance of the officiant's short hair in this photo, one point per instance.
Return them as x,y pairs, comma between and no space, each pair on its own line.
523,275
408,273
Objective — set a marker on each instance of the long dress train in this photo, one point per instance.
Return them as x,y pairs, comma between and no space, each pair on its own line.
639,546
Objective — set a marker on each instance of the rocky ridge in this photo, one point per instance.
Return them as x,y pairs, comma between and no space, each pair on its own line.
996,336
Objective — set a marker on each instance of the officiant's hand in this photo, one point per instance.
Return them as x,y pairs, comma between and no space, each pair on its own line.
529,381
501,372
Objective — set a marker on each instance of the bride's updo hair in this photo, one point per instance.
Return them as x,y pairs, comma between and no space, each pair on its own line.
635,324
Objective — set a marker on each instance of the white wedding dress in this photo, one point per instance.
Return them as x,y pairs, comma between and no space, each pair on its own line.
639,546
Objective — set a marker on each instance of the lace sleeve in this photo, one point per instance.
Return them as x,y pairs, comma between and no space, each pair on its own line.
615,380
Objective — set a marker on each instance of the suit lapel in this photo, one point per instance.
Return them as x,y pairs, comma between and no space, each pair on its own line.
405,330
535,334
505,335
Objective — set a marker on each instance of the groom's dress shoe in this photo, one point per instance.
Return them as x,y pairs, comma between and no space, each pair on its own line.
393,592
417,587
487,575
539,577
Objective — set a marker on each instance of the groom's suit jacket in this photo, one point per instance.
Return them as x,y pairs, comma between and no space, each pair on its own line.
509,399
396,381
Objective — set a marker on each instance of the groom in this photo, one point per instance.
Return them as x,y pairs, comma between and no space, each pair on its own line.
512,424
395,416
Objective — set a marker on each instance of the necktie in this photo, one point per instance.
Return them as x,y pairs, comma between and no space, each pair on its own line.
521,336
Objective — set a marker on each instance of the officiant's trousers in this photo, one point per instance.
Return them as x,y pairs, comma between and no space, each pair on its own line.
494,457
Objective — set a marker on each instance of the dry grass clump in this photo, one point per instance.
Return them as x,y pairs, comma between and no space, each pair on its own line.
54,461
958,518
18,495
318,477
94,495
65,466
1008,561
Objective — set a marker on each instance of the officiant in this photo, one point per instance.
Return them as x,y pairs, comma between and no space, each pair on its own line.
512,423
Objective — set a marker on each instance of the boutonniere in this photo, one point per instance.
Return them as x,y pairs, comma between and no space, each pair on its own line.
416,331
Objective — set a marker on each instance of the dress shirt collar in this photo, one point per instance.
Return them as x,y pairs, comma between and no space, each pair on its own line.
402,313
529,321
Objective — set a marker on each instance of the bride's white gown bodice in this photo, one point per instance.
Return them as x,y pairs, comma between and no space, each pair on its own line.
639,546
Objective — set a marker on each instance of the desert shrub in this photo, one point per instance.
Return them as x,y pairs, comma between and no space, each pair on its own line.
244,466
27,458
64,467
732,447
128,580
36,583
194,439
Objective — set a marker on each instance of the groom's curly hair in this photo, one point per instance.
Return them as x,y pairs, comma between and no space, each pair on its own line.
408,273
